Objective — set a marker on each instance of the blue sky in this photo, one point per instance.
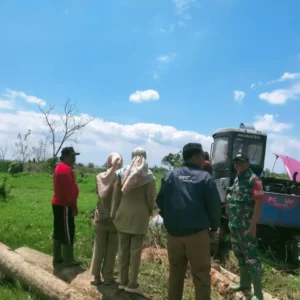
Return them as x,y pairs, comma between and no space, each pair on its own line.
188,55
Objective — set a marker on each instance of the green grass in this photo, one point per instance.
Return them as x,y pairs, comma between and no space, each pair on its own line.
26,220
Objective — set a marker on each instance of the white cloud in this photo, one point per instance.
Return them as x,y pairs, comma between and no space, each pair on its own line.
167,57
289,76
6,104
267,122
281,96
181,24
284,77
100,138
142,96
169,29
182,6
155,75
13,95
239,95
282,144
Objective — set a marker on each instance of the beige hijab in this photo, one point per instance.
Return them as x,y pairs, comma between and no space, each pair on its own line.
137,173
106,180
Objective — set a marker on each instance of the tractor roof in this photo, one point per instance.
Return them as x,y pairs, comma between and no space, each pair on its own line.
241,130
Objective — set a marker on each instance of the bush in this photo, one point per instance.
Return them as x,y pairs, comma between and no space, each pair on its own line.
15,167
50,164
91,165
4,165
34,167
4,190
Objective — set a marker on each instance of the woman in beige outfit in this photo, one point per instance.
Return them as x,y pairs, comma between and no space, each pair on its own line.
106,242
133,202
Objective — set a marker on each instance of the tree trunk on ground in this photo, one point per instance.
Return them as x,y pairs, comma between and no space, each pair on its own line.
45,262
14,266
221,284
78,277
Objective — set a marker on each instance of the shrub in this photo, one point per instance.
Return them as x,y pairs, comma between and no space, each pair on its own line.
91,165
4,190
4,165
34,167
15,167
50,164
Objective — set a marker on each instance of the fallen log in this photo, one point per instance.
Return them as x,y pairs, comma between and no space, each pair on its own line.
231,276
14,266
78,277
234,278
221,284
45,262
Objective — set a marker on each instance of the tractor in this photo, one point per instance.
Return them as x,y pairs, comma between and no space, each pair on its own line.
278,229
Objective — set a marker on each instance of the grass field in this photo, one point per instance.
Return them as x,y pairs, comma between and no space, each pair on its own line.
26,220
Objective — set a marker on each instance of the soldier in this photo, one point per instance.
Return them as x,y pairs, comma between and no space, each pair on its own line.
245,205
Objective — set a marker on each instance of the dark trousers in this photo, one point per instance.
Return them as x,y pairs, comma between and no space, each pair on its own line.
64,224
194,249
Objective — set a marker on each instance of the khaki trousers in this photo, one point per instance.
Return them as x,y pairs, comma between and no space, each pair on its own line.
130,252
194,249
104,255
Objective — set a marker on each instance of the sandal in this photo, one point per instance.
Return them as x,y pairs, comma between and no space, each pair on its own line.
96,282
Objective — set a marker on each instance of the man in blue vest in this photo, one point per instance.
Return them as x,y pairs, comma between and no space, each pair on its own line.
190,206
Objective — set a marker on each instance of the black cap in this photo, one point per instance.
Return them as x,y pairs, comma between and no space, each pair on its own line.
68,151
241,156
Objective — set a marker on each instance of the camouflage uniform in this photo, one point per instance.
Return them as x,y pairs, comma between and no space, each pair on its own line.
241,206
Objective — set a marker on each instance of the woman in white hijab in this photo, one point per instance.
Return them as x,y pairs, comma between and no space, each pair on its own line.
106,242
133,203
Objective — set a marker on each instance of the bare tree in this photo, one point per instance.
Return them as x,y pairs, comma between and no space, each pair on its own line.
65,128
3,151
40,151
24,150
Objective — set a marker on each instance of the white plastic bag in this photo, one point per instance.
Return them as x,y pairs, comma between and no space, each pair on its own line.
157,220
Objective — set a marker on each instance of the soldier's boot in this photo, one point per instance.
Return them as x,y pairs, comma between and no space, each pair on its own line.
68,256
245,281
257,285
57,255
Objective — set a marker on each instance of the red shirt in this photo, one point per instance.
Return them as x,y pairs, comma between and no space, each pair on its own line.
207,167
65,187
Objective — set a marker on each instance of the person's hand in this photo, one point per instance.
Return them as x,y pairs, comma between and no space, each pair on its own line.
104,215
252,230
75,212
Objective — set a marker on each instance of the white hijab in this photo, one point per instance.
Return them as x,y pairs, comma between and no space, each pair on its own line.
106,180
137,174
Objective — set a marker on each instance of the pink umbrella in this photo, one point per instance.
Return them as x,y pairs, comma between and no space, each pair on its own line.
291,165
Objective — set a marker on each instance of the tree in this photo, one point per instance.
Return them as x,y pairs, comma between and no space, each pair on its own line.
40,151
172,160
3,151
91,165
63,128
24,150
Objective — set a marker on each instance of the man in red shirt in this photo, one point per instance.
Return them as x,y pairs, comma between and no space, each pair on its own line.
64,207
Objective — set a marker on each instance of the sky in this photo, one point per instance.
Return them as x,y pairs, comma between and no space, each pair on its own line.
156,74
